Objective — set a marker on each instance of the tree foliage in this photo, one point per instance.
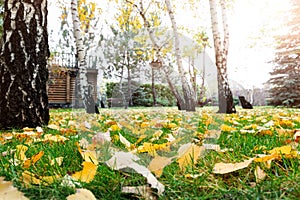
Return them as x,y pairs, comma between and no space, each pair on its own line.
285,82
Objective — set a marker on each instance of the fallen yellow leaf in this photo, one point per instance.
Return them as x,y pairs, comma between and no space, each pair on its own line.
145,124
20,153
227,128
267,158
90,156
188,154
285,150
30,178
115,127
87,174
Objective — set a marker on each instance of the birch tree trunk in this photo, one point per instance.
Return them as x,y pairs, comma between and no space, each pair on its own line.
226,104
23,70
85,87
183,101
188,93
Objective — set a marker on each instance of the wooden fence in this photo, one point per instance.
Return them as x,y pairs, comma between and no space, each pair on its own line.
63,87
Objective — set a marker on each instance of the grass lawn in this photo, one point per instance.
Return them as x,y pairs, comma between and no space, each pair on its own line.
52,162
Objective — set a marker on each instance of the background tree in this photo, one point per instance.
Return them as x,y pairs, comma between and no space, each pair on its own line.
184,94
189,96
23,70
125,56
85,87
285,82
226,104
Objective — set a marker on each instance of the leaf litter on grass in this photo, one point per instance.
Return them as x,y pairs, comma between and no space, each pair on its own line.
165,138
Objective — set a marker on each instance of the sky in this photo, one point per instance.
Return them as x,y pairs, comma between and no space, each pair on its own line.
252,19
249,58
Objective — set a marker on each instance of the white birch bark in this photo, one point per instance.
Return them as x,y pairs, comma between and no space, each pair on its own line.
221,51
181,100
23,65
188,93
156,48
86,95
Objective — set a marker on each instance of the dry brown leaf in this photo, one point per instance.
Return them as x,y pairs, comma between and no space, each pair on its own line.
224,168
54,138
54,127
9,192
124,141
144,191
123,160
87,174
82,194
260,174
215,147
296,135
188,154
213,134
157,165
57,160
284,132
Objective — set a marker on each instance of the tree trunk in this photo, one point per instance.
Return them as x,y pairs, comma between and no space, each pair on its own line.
226,104
185,101
23,70
129,95
188,93
85,87
153,86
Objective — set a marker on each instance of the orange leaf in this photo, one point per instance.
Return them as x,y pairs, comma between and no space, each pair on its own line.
267,158
33,159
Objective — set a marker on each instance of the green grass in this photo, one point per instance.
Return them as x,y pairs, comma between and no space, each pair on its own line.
282,180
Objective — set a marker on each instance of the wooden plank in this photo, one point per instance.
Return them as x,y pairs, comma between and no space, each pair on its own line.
68,98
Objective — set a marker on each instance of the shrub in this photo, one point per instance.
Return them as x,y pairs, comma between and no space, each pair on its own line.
142,96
